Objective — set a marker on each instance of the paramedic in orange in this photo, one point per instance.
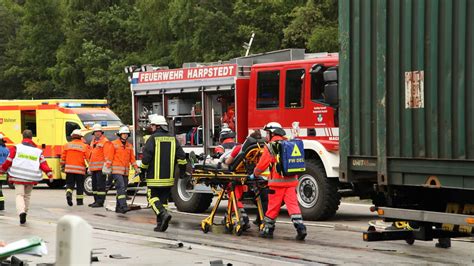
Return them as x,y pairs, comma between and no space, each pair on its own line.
99,144
73,163
117,162
283,186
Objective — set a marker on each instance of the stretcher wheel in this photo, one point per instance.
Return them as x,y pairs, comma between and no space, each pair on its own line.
205,227
238,230
410,241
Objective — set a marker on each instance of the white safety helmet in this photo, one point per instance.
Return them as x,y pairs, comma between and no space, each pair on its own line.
96,127
158,120
1,136
124,130
226,133
274,128
77,132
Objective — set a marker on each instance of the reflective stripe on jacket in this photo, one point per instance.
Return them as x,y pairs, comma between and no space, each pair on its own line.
26,164
97,153
268,160
74,157
161,154
120,156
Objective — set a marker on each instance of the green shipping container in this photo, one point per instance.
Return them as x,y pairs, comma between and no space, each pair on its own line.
406,92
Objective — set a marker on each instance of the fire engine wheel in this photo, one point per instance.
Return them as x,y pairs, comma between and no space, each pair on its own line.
57,183
188,201
88,185
317,195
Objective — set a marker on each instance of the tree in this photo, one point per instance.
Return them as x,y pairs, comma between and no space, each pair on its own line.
33,49
313,26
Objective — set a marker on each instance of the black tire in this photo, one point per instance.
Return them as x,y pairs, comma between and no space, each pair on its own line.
57,183
88,185
317,195
188,201
11,185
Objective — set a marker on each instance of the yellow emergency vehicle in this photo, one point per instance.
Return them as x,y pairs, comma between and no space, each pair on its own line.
52,122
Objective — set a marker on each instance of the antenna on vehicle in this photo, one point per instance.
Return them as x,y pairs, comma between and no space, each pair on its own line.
249,44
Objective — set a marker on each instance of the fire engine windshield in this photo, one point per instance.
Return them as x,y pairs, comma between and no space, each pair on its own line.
104,117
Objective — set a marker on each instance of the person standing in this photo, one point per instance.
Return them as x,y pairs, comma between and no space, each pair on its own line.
25,165
3,177
117,162
284,186
161,153
99,144
73,163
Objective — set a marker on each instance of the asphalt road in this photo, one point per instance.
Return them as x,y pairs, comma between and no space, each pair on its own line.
331,242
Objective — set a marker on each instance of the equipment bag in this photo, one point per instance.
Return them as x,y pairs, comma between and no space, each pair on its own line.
290,157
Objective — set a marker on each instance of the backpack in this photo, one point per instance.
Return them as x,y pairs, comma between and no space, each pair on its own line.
290,156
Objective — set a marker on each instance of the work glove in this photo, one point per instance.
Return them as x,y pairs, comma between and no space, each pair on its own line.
252,177
106,170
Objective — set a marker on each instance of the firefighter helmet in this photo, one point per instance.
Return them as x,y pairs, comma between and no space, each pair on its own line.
158,120
77,132
274,128
226,133
123,130
1,136
96,127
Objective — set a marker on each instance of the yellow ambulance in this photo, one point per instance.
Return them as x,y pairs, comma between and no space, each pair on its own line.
52,122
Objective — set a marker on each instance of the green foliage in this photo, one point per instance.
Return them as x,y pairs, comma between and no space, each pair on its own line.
78,48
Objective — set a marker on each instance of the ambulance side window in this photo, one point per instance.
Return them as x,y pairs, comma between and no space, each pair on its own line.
294,88
268,89
28,121
70,126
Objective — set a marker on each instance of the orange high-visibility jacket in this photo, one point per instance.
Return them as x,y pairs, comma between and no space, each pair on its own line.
97,153
74,157
268,160
120,156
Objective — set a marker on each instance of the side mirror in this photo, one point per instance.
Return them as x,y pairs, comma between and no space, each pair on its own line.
331,87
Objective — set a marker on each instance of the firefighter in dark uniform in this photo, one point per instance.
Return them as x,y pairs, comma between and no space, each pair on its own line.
161,154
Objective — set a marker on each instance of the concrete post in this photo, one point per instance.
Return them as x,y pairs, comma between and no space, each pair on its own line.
73,241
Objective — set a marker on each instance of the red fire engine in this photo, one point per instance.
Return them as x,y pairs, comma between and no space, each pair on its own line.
297,90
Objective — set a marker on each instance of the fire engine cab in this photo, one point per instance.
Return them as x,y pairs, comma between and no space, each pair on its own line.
295,89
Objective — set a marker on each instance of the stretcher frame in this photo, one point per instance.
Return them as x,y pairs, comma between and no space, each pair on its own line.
223,182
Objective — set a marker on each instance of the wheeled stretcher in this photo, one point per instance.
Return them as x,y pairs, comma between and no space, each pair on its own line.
224,181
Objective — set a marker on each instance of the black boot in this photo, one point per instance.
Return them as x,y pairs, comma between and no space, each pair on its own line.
245,221
165,218
2,205
297,220
95,201
96,205
122,210
269,227
69,198
79,202
23,218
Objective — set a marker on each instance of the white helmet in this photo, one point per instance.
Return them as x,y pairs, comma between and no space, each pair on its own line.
275,128
158,120
96,127
124,130
1,136
77,132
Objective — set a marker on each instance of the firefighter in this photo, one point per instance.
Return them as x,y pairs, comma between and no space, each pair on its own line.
73,163
284,187
162,152
3,177
99,144
24,164
118,160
